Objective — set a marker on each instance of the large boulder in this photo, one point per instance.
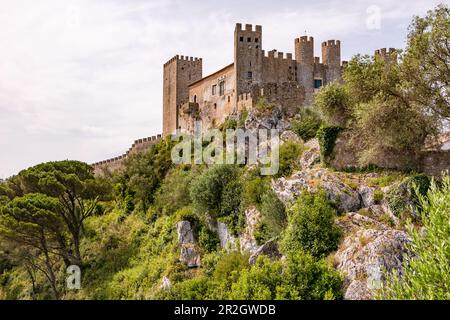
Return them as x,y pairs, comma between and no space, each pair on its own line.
189,252
185,232
368,248
227,240
367,195
273,119
291,136
338,192
269,249
311,155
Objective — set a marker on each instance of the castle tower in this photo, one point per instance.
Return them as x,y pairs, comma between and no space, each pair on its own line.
304,55
248,57
386,55
179,73
331,57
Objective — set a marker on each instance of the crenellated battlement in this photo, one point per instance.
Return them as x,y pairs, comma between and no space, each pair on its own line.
117,162
182,58
244,97
248,28
331,43
304,39
274,54
386,54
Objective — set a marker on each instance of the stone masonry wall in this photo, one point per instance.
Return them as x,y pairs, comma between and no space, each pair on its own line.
116,163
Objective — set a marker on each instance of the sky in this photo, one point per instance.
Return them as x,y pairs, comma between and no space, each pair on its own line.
82,79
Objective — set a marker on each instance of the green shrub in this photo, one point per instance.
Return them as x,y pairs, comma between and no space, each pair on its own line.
327,138
207,239
300,277
384,181
333,101
418,184
311,226
378,196
263,106
290,153
174,192
426,269
308,124
254,189
262,233
274,217
217,191
396,201
144,172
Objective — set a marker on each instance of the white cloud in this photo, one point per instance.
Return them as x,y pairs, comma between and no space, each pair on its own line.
82,79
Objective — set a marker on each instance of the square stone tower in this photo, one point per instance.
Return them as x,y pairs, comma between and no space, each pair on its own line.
179,73
248,57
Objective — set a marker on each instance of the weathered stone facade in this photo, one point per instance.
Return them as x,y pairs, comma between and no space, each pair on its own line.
286,80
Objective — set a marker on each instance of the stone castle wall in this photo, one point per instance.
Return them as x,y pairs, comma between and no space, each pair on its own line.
117,163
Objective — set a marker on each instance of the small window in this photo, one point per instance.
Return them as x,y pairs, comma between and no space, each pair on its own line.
256,40
249,75
222,88
214,90
257,47
215,106
195,99
249,39
317,83
241,39
229,99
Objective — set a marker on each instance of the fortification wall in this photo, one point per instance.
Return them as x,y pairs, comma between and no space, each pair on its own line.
431,162
278,68
117,163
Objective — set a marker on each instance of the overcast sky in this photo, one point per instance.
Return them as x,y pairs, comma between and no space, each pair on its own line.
82,79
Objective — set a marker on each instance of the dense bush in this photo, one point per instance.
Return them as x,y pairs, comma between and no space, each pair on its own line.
174,191
311,226
333,101
254,189
217,191
290,153
145,171
418,184
426,269
274,217
308,124
300,277
327,137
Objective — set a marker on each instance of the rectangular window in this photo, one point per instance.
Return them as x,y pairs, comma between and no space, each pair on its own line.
214,90
241,39
317,83
256,40
222,88
249,39
249,75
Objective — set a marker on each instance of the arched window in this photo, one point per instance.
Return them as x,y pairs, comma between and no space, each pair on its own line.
195,99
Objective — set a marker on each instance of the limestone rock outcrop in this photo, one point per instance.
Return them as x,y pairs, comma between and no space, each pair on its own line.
227,240
189,252
369,247
246,238
338,192
311,155
269,249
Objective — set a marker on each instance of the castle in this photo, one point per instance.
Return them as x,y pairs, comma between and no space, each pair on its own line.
283,79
